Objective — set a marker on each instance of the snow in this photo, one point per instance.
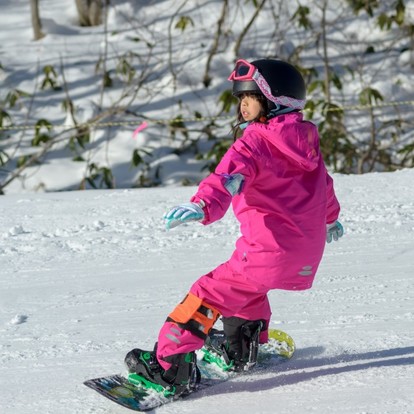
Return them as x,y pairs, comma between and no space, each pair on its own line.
87,276
141,34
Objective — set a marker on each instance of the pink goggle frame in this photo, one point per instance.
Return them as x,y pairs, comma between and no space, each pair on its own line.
245,71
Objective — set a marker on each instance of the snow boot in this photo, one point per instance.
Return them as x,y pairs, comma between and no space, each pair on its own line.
241,343
180,379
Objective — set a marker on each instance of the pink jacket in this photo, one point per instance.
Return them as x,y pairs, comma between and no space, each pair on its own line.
283,205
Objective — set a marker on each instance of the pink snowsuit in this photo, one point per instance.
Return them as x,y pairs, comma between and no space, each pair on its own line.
283,206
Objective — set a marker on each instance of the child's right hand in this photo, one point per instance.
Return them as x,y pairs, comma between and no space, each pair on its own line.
334,231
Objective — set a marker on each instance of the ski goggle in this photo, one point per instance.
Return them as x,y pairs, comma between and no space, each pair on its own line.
245,71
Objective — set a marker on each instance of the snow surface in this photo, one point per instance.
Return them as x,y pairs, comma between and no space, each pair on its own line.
87,276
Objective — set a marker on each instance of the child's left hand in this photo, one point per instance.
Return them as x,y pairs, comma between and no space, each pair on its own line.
182,214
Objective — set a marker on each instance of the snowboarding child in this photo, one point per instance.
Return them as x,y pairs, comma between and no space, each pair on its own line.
282,195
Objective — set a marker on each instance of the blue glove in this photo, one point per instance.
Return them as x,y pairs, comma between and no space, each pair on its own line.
334,231
183,213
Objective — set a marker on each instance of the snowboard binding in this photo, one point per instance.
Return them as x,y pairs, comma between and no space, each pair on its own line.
236,347
181,379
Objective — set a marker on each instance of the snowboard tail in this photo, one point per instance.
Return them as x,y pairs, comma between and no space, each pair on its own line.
137,393
121,391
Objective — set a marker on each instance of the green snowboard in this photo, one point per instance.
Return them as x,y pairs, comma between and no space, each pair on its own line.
131,393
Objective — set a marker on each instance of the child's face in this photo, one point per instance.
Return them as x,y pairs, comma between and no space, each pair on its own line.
250,107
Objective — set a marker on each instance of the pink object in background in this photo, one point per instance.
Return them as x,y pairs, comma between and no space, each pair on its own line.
139,129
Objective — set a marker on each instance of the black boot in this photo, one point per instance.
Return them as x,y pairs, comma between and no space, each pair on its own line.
242,341
181,379
183,373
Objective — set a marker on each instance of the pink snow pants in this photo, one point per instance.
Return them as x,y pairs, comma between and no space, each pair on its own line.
229,293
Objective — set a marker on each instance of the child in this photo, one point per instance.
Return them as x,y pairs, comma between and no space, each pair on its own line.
283,197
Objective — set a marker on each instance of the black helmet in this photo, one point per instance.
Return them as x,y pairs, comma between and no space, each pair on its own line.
283,79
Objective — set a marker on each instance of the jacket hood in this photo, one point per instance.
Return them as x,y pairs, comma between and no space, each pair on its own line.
294,137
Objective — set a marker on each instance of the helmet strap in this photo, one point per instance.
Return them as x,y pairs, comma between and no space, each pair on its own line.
279,111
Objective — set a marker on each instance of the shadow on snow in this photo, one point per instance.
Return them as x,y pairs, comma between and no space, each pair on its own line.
305,368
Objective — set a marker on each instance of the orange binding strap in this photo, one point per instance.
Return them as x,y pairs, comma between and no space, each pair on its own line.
195,315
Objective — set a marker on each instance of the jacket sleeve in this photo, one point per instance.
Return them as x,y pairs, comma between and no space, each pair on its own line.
332,208
214,189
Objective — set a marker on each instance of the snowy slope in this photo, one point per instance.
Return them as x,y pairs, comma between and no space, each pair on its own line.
86,276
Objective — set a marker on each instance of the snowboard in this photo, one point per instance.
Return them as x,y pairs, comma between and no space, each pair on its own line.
131,393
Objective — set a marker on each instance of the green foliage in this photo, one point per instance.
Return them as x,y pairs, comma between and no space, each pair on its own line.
42,129
198,115
389,131
407,153
5,118
67,105
184,22
78,142
217,152
337,149
395,11
122,68
334,80
83,136
50,81
370,96
177,124
4,158
346,146
99,177
138,157
364,5
14,96
125,68
227,99
316,84
301,16
254,2
385,20
22,160
107,80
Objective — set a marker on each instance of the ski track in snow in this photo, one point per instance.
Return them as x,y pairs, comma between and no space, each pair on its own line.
86,276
